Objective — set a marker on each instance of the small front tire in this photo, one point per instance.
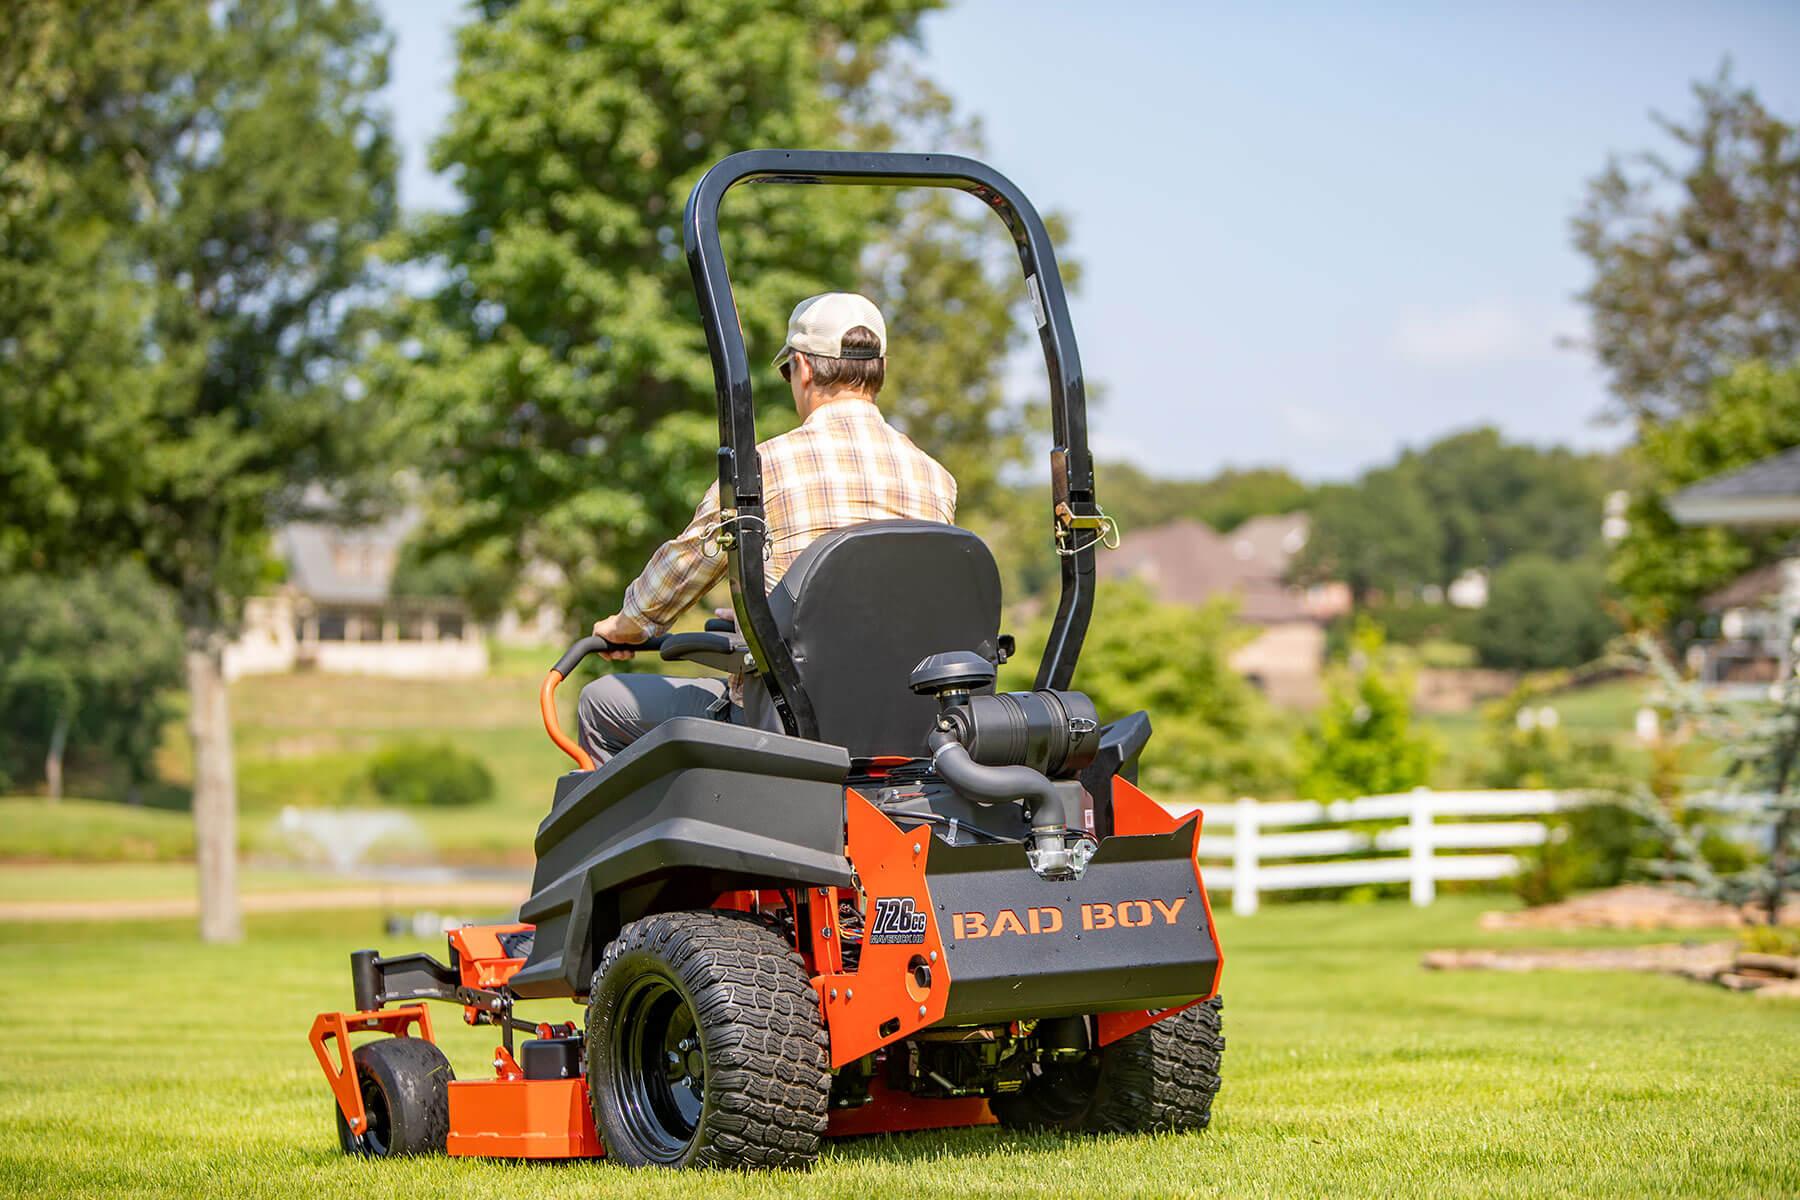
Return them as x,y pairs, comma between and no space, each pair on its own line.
405,1085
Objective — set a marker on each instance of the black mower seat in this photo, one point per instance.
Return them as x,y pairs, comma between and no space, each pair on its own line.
860,607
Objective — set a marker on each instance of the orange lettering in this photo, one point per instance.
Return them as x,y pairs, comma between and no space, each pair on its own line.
1008,922
1050,924
971,925
1127,907
1097,916
1170,911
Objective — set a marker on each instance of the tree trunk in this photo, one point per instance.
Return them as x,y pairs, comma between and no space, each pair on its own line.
215,788
53,761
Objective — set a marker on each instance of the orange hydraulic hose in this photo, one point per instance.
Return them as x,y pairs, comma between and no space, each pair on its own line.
547,704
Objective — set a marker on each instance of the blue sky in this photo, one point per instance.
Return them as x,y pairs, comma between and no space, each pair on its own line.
1310,234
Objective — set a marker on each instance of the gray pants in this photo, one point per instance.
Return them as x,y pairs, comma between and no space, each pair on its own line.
617,710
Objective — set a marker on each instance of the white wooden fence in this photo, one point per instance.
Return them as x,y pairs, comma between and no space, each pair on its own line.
1419,845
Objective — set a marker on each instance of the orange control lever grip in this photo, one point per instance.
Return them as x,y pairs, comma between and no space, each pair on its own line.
547,704
571,659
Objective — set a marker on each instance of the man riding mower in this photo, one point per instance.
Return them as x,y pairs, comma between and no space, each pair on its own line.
907,903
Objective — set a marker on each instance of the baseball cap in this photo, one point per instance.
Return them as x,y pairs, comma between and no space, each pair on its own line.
819,324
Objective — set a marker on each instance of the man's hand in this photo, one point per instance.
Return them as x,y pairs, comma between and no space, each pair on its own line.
619,628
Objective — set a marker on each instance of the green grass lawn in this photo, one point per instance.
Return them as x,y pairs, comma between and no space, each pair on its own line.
1594,713
92,831
142,1064
143,881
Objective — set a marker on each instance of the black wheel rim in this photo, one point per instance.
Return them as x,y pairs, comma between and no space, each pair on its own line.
378,1137
659,1067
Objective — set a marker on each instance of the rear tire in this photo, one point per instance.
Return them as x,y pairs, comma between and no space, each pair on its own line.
1162,1077
705,1046
405,1084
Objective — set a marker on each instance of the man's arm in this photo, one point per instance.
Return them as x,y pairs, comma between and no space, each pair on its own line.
678,574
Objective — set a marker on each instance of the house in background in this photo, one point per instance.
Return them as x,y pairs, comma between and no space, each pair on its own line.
335,614
1746,643
1188,562
1758,611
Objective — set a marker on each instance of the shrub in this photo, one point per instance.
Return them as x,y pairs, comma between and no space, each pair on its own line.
1525,744
1544,613
1592,847
1363,743
430,775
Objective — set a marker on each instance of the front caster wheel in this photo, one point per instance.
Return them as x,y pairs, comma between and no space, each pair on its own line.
405,1085
705,1046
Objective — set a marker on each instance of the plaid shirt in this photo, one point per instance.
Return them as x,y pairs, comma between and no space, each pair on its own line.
844,466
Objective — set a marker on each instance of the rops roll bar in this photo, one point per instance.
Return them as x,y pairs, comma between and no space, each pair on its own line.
740,472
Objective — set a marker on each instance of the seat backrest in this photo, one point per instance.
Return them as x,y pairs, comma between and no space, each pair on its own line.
862,605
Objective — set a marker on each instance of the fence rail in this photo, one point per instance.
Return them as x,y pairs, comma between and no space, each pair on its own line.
1246,861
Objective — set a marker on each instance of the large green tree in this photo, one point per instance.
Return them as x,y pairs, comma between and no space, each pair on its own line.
223,170
1377,535
1695,253
557,367
1663,569
558,370
1495,499
1468,500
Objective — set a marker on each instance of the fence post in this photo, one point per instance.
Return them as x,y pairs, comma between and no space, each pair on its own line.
1424,886
1243,859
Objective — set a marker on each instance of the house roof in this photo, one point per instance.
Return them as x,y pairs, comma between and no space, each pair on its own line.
1187,562
1766,492
1270,543
338,565
1752,589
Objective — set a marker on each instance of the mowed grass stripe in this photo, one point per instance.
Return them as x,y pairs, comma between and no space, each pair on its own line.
145,1065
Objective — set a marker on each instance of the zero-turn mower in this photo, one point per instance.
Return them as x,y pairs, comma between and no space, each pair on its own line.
920,904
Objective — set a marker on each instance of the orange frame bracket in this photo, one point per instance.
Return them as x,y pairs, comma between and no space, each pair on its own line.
340,1069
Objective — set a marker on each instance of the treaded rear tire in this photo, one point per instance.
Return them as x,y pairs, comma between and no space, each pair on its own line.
765,1078
405,1084
1162,1077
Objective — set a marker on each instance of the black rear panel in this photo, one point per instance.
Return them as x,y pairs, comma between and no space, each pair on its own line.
1131,933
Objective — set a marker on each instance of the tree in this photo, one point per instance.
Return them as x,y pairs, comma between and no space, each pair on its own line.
1379,534
1696,258
1470,500
1496,499
560,371
1212,730
1759,782
1542,613
226,167
85,659
1663,570
1224,500
1363,743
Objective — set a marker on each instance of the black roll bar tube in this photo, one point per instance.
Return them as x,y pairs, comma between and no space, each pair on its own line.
740,473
